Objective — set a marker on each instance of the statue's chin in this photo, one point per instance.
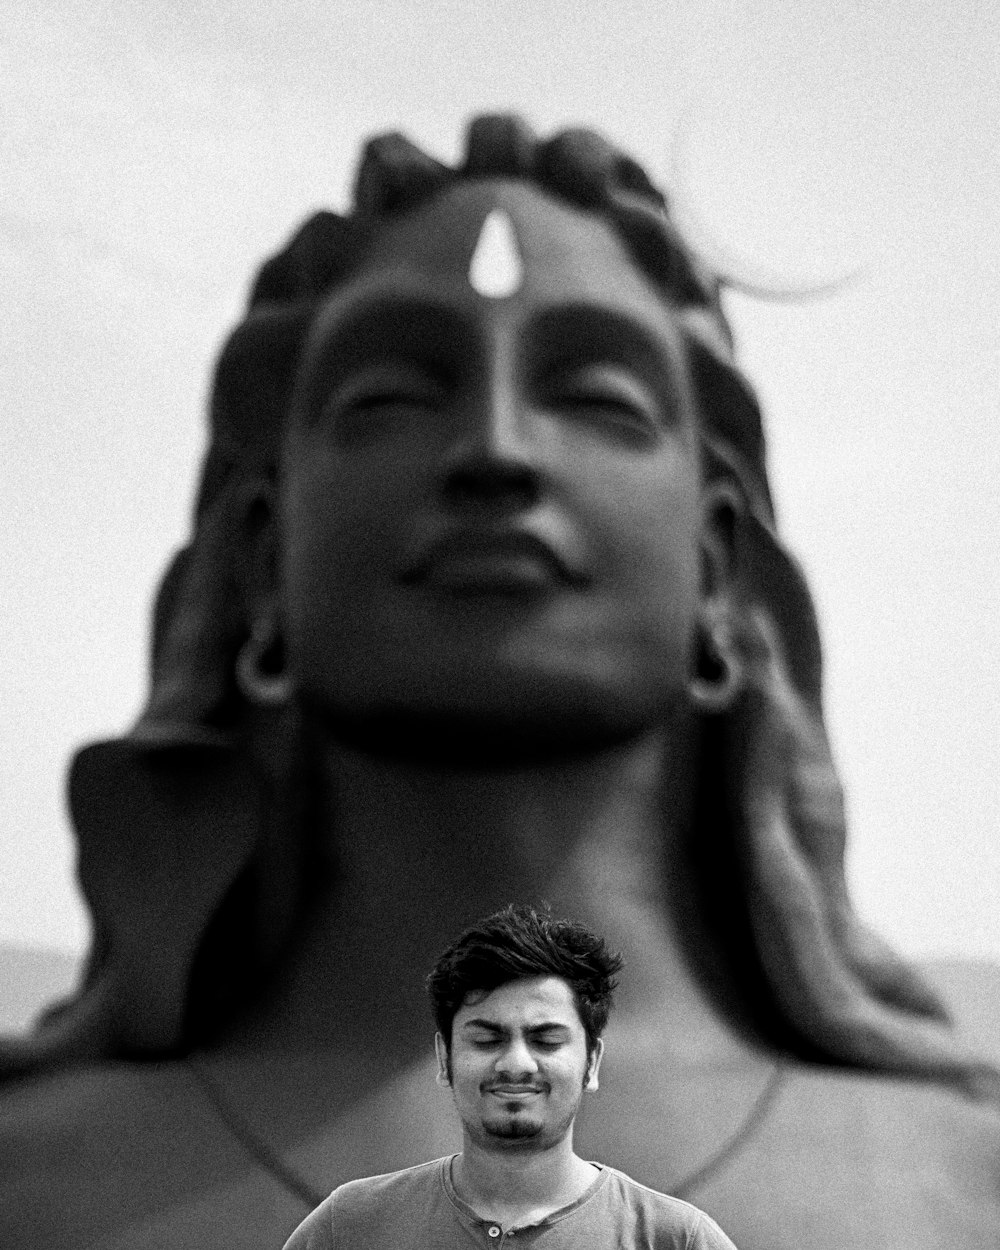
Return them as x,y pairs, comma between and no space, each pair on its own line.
441,737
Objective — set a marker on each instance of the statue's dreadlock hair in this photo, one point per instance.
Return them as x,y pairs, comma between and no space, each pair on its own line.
232,851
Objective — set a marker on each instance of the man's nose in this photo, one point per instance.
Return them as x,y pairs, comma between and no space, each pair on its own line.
516,1059
493,461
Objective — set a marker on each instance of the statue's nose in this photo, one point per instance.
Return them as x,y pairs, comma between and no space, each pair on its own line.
494,459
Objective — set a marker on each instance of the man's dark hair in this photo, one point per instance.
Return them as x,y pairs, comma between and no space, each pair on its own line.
519,942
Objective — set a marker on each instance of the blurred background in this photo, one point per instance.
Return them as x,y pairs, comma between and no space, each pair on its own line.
154,155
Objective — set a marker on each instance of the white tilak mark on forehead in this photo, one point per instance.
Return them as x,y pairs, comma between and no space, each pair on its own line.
496,269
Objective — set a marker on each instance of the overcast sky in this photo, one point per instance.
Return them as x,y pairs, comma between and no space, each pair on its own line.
153,154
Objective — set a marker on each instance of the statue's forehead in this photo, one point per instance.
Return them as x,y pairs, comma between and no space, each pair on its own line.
577,281
550,239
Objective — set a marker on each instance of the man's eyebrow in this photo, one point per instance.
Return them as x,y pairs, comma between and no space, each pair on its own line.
489,1025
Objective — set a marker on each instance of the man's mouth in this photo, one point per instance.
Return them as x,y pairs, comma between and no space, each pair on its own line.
514,1092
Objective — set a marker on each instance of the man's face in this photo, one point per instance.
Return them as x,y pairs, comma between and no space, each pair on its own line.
518,1064
491,506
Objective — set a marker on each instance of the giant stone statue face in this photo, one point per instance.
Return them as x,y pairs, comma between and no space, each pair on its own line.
484,601
491,506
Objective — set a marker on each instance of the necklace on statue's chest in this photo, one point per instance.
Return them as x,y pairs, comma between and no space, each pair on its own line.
271,1160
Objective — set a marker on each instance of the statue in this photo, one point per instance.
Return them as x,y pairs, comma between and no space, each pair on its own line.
484,602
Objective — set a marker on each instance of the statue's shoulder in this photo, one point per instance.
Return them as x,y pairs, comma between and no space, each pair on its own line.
129,1155
853,1159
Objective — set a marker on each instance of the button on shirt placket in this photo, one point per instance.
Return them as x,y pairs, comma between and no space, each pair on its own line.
497,1235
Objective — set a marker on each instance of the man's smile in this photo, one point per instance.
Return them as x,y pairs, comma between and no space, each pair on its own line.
514,1091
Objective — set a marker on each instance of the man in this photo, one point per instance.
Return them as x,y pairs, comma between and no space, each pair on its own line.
520,1001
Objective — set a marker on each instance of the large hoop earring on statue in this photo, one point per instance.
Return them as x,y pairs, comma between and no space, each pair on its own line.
719,674
260,667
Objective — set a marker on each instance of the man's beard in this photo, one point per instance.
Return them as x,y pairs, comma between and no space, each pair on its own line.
526,1132
513,1128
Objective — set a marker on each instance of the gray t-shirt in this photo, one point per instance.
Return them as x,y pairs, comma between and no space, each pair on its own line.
419,1208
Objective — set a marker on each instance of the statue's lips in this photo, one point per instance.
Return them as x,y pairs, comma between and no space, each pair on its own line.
491,562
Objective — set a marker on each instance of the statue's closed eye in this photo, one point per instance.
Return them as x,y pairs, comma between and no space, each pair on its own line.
364,401
606,394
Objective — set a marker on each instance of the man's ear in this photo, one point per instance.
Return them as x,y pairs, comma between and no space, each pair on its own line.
443,1077
594,1065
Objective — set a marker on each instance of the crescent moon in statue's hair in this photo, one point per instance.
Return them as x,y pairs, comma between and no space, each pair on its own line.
734,269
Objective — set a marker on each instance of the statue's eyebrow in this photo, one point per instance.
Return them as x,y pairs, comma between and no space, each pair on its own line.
597,329
386,326
388,323
446,337
564,336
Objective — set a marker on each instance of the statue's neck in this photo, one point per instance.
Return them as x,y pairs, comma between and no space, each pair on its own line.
521,820
585,835
420,852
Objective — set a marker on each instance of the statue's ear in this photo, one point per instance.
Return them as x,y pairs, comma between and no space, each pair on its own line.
261,672
261,547
721,507
718,670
